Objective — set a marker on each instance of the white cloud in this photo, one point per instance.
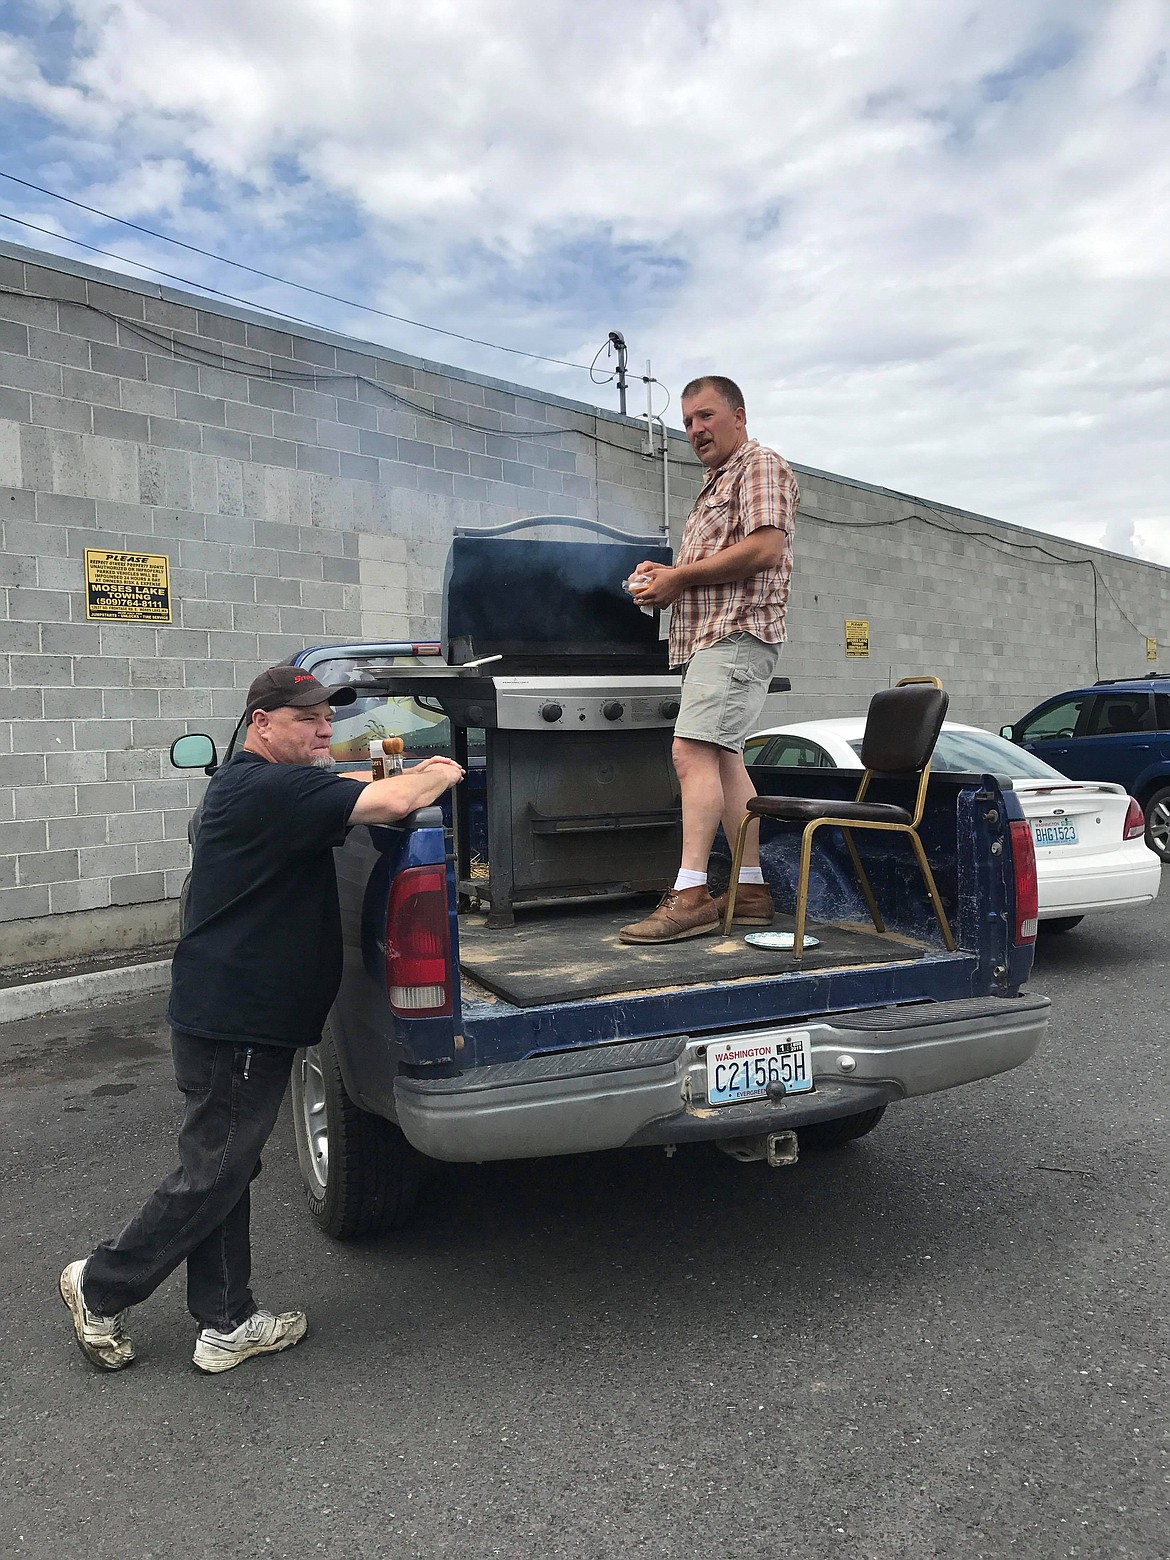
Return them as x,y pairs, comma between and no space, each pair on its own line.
1151,539
929,241
144,190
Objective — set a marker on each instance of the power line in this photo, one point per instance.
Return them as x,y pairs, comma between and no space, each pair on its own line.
270,276
999,543
171,276
219,357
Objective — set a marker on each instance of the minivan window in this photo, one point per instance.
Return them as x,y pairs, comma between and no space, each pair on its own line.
1119,712
1056,720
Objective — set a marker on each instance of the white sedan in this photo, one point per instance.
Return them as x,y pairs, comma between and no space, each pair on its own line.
1091,852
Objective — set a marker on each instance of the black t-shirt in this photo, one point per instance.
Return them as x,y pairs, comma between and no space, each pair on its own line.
261,956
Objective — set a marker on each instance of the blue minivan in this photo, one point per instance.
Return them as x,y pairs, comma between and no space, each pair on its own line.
1118,729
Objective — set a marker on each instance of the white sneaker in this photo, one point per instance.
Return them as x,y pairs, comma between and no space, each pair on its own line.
100,1338
262,1333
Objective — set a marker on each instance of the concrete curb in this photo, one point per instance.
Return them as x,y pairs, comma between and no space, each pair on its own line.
74,991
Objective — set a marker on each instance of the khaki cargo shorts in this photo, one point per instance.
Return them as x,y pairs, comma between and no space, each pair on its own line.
723,691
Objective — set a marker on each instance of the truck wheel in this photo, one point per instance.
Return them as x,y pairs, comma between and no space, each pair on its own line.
1061,923
842,1129
361,1176
1158,823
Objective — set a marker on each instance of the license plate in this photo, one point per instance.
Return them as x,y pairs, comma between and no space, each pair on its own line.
742,1069
1054,831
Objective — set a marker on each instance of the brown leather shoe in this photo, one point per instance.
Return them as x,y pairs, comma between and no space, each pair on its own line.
682,912
753,905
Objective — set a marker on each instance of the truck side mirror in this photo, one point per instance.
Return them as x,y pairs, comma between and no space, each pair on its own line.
1009,732
194,751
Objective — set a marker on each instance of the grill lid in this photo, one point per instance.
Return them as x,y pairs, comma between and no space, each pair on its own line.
542,602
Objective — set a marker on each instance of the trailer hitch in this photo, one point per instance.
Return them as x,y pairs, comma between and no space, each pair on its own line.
774,1148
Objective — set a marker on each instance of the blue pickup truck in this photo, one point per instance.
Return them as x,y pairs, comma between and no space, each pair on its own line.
487,1008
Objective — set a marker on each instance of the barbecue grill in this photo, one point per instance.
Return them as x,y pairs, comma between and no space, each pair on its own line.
570,682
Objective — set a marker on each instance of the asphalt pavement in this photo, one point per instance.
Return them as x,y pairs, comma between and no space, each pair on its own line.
949,1339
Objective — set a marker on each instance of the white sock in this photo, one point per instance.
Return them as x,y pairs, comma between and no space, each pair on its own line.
688,879
751,875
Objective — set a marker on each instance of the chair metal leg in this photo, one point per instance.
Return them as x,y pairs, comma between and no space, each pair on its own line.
736,860
932,889
802,888
802,881
863,881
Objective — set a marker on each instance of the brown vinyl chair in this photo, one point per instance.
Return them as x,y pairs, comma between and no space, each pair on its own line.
901,729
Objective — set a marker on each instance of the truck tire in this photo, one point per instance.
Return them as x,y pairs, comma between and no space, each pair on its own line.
1158,822
361,1176
842,1129
1060,923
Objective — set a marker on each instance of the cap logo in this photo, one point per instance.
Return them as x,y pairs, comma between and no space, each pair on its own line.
302,677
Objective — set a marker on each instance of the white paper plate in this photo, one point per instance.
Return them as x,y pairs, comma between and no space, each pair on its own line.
785,940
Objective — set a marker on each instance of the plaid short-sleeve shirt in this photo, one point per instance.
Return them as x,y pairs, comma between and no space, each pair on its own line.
754,488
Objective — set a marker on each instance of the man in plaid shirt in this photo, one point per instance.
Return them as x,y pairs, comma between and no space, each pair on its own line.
729,590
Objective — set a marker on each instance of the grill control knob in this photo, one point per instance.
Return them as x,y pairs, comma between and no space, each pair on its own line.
668,709
551,712
473,714
613,710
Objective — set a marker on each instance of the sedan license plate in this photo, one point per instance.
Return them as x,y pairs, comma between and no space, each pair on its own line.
739,1070
1054,831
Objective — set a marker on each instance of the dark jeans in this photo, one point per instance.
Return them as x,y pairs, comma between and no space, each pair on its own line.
200,1212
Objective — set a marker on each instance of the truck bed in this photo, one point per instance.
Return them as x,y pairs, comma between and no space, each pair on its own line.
572,953
561,1039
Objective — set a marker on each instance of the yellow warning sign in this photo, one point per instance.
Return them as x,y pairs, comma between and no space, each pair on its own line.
127,587
1151,649
856,636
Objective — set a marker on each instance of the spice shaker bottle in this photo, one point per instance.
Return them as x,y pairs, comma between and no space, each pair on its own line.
385,756
633,586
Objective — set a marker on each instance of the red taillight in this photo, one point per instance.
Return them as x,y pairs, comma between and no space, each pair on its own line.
418,944
1027,891
1135,821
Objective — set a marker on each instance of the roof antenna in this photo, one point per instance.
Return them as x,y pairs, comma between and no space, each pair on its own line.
619,341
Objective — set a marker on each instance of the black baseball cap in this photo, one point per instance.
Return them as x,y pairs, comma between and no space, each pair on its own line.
283,686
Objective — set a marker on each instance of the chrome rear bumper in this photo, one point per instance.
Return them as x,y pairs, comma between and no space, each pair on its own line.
655,1091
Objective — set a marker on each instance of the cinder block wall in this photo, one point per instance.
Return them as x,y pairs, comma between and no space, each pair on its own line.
1004,616
305,488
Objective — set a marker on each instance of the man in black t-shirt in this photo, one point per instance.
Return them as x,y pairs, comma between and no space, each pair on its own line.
253,978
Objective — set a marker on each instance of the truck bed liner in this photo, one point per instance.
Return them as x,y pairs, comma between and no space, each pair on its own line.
573,953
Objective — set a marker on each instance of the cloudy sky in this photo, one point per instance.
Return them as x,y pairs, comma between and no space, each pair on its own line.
929,237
